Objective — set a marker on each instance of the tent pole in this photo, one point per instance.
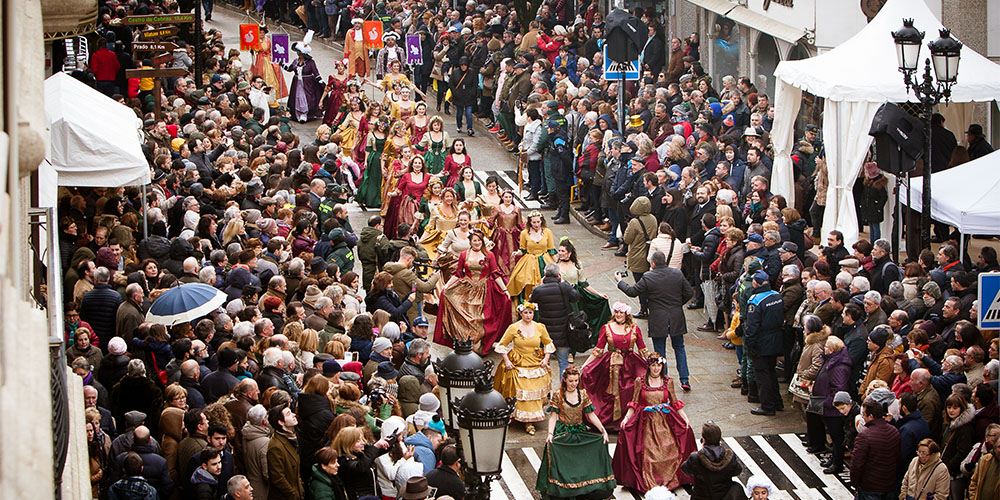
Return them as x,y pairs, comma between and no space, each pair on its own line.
145,220
895,224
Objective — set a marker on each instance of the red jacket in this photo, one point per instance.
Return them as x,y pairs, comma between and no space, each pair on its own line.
873,461
104,64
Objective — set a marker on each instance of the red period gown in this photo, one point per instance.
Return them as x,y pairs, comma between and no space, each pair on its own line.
334,100
506,235
416,133
453,169
610,378
652,446
360,155
474,306
403,207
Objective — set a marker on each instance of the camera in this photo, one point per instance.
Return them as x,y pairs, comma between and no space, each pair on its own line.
376,398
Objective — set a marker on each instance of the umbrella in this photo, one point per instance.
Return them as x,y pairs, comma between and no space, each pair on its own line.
185,302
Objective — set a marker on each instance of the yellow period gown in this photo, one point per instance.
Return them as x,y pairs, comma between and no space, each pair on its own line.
528,382
436,230
348,131
527,272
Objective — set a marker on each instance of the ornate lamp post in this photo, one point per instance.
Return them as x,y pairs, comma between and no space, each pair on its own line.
945,56
457,374
482,417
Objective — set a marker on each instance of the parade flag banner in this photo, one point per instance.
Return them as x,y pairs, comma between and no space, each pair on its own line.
249,37
279,48
413,55
373,34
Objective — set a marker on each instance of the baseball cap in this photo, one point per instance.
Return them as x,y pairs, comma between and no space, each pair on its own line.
761,276
754,238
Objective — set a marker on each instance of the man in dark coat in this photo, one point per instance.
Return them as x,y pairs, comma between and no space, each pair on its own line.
762,341
445,477
876,451
221,382
856,342
666,291
912,429
464,82
977,142
553,298
713,467
283,456
99,307
136,392
154,466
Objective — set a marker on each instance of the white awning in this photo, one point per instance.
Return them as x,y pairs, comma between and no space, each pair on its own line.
752,19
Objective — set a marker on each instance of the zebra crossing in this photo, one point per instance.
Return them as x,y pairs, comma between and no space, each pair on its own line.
508,180
795,473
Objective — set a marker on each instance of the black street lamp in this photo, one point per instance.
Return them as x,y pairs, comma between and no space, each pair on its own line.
483,417
457,374
945,54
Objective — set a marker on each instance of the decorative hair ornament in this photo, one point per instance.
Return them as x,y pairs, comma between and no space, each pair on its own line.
534,213
527,305
621,307
655,359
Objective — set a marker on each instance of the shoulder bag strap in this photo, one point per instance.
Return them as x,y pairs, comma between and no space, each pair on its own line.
645,233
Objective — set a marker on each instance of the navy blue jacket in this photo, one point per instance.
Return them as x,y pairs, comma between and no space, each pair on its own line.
99,307
912,429
762,335
856,342
940,380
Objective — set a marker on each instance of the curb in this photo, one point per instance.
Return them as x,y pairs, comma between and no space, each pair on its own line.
583,222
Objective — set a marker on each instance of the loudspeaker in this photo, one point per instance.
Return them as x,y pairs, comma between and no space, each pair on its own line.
626,36
899,139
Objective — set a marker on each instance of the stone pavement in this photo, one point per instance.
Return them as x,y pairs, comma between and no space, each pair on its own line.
712,367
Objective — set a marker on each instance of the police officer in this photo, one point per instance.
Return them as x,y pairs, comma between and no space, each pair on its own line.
762,341
560,160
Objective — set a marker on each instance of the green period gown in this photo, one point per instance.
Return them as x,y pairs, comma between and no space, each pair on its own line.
370,189
576,463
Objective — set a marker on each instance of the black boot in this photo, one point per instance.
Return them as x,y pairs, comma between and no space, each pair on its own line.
743,389
752,396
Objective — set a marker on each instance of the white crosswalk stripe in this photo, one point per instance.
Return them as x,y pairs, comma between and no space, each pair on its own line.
796,474
508,180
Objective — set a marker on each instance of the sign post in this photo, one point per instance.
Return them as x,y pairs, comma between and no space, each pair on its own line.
156,75
988,312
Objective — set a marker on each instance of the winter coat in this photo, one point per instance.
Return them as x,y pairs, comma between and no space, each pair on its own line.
283,469
180,249
832,377
272,377
154,247
912,429
315,416
255,442
404,279
113,369
958,439
218,384
635,237
880,367
792,295
856,342
713,469
373,249
811,360
423,450
99,307
921,479
194,396
172,432
710,242
871,205
203,485
883,273
554,299
390,302
666,291
988,464
357,473
323,486
873,460
463,86
763,332
940,380
154,469
136,393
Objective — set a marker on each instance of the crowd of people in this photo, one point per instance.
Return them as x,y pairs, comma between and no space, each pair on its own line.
314,379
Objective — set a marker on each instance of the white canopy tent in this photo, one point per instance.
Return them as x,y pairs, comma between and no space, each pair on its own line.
93,141
965,196
855,78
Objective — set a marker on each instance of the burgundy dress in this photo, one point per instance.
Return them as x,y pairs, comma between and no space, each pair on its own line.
652,446
403,207
474,306
360,155
453,169
334,100
610,378
506,235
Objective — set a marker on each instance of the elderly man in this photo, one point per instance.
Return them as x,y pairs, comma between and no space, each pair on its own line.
418,358
666,290
928,400
130,314
99,307
824,309
190,375
951,371
873,310
271,374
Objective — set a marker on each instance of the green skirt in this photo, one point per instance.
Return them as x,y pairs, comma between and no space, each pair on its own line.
596,307
434,159
575,463
370,188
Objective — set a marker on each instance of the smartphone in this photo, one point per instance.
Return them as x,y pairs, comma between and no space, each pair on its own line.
624,273
433,493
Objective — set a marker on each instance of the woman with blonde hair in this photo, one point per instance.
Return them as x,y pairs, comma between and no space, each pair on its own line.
524,373
235,231
357,461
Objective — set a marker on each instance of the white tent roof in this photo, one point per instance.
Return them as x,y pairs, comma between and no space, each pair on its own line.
964,196
864,68
94,141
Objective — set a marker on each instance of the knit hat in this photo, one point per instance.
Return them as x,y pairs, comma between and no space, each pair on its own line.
932,289
380,344
879,335
117,346
882,396
429,402
841,398
331,368
227,357
266,225
313,292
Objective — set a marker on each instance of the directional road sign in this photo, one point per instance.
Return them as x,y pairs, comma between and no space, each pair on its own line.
153,46
159,19
989,301
159,33
613,71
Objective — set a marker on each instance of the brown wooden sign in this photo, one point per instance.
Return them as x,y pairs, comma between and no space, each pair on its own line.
156,75
159,33
153,46
163,58
159,19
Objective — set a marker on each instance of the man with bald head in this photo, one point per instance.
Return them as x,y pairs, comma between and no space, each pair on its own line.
107,420
154,466
130,312
190,268
951,371
190,377
928,400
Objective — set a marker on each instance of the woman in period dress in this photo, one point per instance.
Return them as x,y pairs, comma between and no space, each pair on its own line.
592,302
434,145
618,361
474,304
655,435
575,462
454,162
394,77
506,225
390,152
365,126
536,247
487,203
405,199
524,374
370,190
269,70
393,172
403,108
443,218
417,124
430,201
468,188
351,125
307,85
336,86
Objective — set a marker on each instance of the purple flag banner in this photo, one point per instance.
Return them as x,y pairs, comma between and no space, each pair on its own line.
279,48
413,49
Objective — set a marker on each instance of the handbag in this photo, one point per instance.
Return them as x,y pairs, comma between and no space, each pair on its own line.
800,388
815,404
578,332
447,94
